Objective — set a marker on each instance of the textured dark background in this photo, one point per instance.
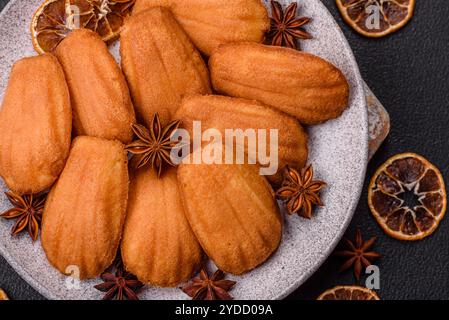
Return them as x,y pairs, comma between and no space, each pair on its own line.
409,72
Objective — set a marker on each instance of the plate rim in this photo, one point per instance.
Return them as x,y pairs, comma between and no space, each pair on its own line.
48,294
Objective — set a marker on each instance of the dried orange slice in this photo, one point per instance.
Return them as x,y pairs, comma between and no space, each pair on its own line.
376,18
349,293
3,295
407,197
55,19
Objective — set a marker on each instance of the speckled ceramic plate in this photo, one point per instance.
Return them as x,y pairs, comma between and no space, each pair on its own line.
338,153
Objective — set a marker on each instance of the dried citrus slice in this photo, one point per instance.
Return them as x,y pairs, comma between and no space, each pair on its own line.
349,293
376,18
407,197
55,19
3,295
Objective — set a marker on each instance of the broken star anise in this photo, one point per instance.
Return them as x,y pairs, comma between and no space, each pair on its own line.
28,212
300,191
286,27
357,254
206,288
120,284
153,146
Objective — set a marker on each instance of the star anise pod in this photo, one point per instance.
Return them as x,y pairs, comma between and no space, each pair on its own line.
300,192
286,27
28,212
153,146
206,288
3,295
120,284
357,254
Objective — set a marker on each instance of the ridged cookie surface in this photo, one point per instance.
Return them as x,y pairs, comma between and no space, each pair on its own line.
225,113
100,97
158,244
232,212
160,63
35,125
297,83
85,211
210,23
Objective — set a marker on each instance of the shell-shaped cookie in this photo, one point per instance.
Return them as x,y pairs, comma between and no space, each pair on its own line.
225,113
160,63
35,125
158,244
213,22
232,212
297,83
85,211
100,97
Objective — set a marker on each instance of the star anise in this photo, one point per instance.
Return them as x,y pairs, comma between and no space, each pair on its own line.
28,212
286,27
300,191
153,146
357,254
120,284
206,288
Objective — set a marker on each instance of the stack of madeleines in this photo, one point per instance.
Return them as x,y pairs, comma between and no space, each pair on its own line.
164,226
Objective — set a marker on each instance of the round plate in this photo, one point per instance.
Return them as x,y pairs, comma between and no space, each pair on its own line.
339,151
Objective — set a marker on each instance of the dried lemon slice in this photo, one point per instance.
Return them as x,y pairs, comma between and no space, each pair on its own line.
55,19
407,197
376,18
349,293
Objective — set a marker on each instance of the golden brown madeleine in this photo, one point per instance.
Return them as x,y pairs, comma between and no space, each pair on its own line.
85,211
35,125
160,64
100,97
297,83
158,245
210,23
232,212
223,113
